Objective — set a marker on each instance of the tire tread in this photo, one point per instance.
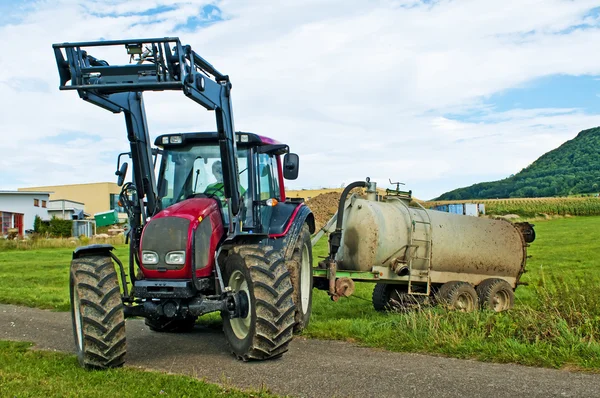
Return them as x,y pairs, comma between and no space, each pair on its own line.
273,303
102,316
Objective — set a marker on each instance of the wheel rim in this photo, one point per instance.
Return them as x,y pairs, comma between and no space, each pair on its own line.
305,276
464,302
500,301
77,317
240,326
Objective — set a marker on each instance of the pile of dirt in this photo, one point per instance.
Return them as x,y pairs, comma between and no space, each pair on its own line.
324,206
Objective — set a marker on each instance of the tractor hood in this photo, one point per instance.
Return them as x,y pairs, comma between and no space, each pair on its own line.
181,235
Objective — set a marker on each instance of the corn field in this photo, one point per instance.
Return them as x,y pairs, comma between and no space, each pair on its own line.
533,207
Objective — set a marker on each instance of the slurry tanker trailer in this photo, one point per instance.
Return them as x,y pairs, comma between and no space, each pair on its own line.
416,255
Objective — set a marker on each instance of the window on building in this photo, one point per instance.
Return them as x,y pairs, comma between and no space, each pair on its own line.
43,203
114,203
36,202
6,221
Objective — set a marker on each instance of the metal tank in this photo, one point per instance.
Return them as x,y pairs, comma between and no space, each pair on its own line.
427,245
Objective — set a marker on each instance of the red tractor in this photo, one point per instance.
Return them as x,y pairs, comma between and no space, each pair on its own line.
213,232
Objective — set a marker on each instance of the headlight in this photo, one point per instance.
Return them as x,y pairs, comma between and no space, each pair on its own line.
177,257
149,257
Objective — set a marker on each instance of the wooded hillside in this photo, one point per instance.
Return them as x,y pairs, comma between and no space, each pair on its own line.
572,168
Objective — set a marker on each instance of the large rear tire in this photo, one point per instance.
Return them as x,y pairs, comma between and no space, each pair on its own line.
496,295
266,330
170,325
300,268
97,313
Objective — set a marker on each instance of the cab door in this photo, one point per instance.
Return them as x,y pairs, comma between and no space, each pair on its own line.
268,192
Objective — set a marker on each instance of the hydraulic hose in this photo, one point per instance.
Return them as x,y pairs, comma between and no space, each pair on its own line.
335,239
341,205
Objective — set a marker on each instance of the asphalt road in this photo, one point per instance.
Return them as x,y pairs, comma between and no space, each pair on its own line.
311,368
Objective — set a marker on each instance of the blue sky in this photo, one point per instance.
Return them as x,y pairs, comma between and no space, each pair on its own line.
416,91
558,91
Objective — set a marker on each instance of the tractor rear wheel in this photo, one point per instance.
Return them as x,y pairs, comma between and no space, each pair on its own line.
457,295
171,325
496,295
266,330
97,313
300,268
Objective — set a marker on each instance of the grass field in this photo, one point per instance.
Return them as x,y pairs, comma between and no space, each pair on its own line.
555,323
27,373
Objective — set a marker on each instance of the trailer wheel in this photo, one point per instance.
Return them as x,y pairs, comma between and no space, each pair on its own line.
395,297
457,295
267,329
384,293
97,313
496,295
300,268
171,325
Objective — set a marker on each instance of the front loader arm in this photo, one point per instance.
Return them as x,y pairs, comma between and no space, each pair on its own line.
154,65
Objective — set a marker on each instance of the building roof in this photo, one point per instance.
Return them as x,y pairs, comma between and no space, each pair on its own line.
25,193
67,200
74,210
67,185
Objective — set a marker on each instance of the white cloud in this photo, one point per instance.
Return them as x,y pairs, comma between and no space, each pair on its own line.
356,88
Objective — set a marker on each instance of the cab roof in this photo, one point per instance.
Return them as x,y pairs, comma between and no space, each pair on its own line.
243,139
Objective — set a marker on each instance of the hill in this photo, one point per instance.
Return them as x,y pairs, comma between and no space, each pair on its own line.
572,168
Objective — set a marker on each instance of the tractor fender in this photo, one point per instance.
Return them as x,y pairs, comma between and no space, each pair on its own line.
91,250
287,239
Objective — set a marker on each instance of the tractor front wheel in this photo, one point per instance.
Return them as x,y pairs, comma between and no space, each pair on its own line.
267,327
97,313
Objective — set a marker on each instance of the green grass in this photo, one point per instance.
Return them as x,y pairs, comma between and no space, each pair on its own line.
28,373
40,277
38,242
555,323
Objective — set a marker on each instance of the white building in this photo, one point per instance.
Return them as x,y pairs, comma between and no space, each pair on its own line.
65,209
18,210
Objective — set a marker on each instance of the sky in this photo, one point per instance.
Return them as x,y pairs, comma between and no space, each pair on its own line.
435,94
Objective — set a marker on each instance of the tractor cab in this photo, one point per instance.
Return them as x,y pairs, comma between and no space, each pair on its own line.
191,168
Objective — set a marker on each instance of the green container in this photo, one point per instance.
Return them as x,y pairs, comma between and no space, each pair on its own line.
106,218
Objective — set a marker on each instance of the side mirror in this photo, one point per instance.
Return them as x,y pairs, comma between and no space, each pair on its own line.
121,174
291,165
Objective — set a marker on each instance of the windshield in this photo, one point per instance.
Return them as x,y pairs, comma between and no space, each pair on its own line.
192,170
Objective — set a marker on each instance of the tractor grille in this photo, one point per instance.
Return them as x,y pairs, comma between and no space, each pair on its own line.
164,235
202,243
